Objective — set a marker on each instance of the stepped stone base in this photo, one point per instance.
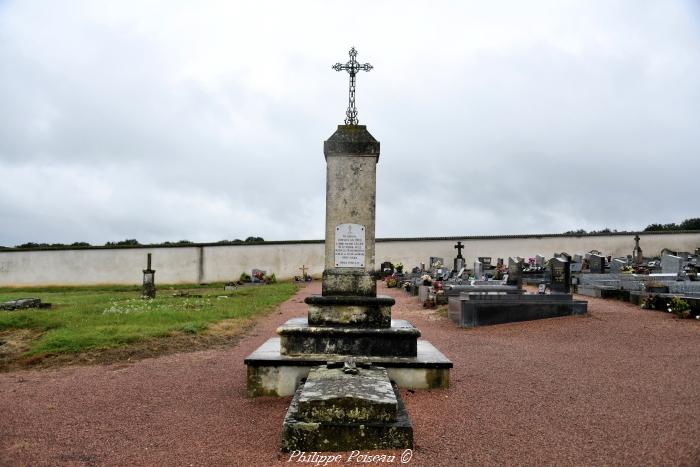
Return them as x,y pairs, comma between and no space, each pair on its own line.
339,282
297,337
355,311
271,373
344,416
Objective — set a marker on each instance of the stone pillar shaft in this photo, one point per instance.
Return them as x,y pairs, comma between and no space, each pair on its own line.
351,155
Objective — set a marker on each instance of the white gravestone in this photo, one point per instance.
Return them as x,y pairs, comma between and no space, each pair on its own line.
350,246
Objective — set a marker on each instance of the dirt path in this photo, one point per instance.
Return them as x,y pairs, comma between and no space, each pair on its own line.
618,387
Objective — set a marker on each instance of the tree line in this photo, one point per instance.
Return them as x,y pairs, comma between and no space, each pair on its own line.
132,242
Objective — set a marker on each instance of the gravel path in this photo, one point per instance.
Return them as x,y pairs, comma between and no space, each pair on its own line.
617,387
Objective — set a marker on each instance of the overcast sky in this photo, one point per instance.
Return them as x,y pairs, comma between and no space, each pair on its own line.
164,120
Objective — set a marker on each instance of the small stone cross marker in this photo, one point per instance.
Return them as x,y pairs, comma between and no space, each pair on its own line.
352,67
303,270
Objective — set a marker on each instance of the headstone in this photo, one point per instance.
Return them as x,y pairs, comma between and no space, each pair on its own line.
596,264
485,260
671,264
577,265
616,265
539,261
386,266
561,275
478,270
515,272
436,262
459,259
499,263
148,289
637,254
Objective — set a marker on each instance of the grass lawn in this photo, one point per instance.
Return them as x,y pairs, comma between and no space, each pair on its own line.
106,317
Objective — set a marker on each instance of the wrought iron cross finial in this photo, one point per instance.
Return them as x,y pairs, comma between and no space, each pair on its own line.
352,67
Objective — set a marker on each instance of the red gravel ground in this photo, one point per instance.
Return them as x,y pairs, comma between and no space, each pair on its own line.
620,386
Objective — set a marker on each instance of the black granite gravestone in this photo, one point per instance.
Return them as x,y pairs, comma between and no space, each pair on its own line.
515,272
596,264
560,270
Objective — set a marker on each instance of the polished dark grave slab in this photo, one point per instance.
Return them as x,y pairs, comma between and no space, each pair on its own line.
337,411
471,310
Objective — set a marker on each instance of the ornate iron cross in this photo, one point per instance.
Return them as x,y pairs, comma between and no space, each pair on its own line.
352,67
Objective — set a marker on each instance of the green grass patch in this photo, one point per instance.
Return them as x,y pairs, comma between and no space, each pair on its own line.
85,318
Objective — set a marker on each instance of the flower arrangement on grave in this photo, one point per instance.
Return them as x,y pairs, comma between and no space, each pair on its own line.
399,268
427,280
652,302
679,307
391,282
627,270
245,278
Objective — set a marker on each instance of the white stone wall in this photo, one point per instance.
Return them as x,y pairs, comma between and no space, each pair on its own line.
209,263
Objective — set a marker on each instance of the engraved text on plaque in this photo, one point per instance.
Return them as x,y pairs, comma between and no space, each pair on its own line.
350,246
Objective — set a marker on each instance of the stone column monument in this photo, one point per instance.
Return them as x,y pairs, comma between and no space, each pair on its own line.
355,405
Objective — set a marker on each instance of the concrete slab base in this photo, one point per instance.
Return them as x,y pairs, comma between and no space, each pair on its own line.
272,374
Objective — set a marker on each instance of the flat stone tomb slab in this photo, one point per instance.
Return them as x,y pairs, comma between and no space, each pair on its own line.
299,338
352,311
330,395
272,374
470,310
302,435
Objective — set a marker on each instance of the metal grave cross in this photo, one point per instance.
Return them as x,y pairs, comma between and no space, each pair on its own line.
352,67
459,247
303,270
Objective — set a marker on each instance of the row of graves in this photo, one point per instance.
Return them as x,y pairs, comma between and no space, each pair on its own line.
667,283
493,293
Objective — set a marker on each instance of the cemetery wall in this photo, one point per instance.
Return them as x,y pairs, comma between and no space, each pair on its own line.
220,263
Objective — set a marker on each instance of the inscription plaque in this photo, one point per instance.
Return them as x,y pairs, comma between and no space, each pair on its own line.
350,246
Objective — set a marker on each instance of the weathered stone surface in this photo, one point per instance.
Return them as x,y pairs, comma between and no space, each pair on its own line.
297,337
349,282
351,140
270,373
300,435
350,311
23,303
148,289
331,395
